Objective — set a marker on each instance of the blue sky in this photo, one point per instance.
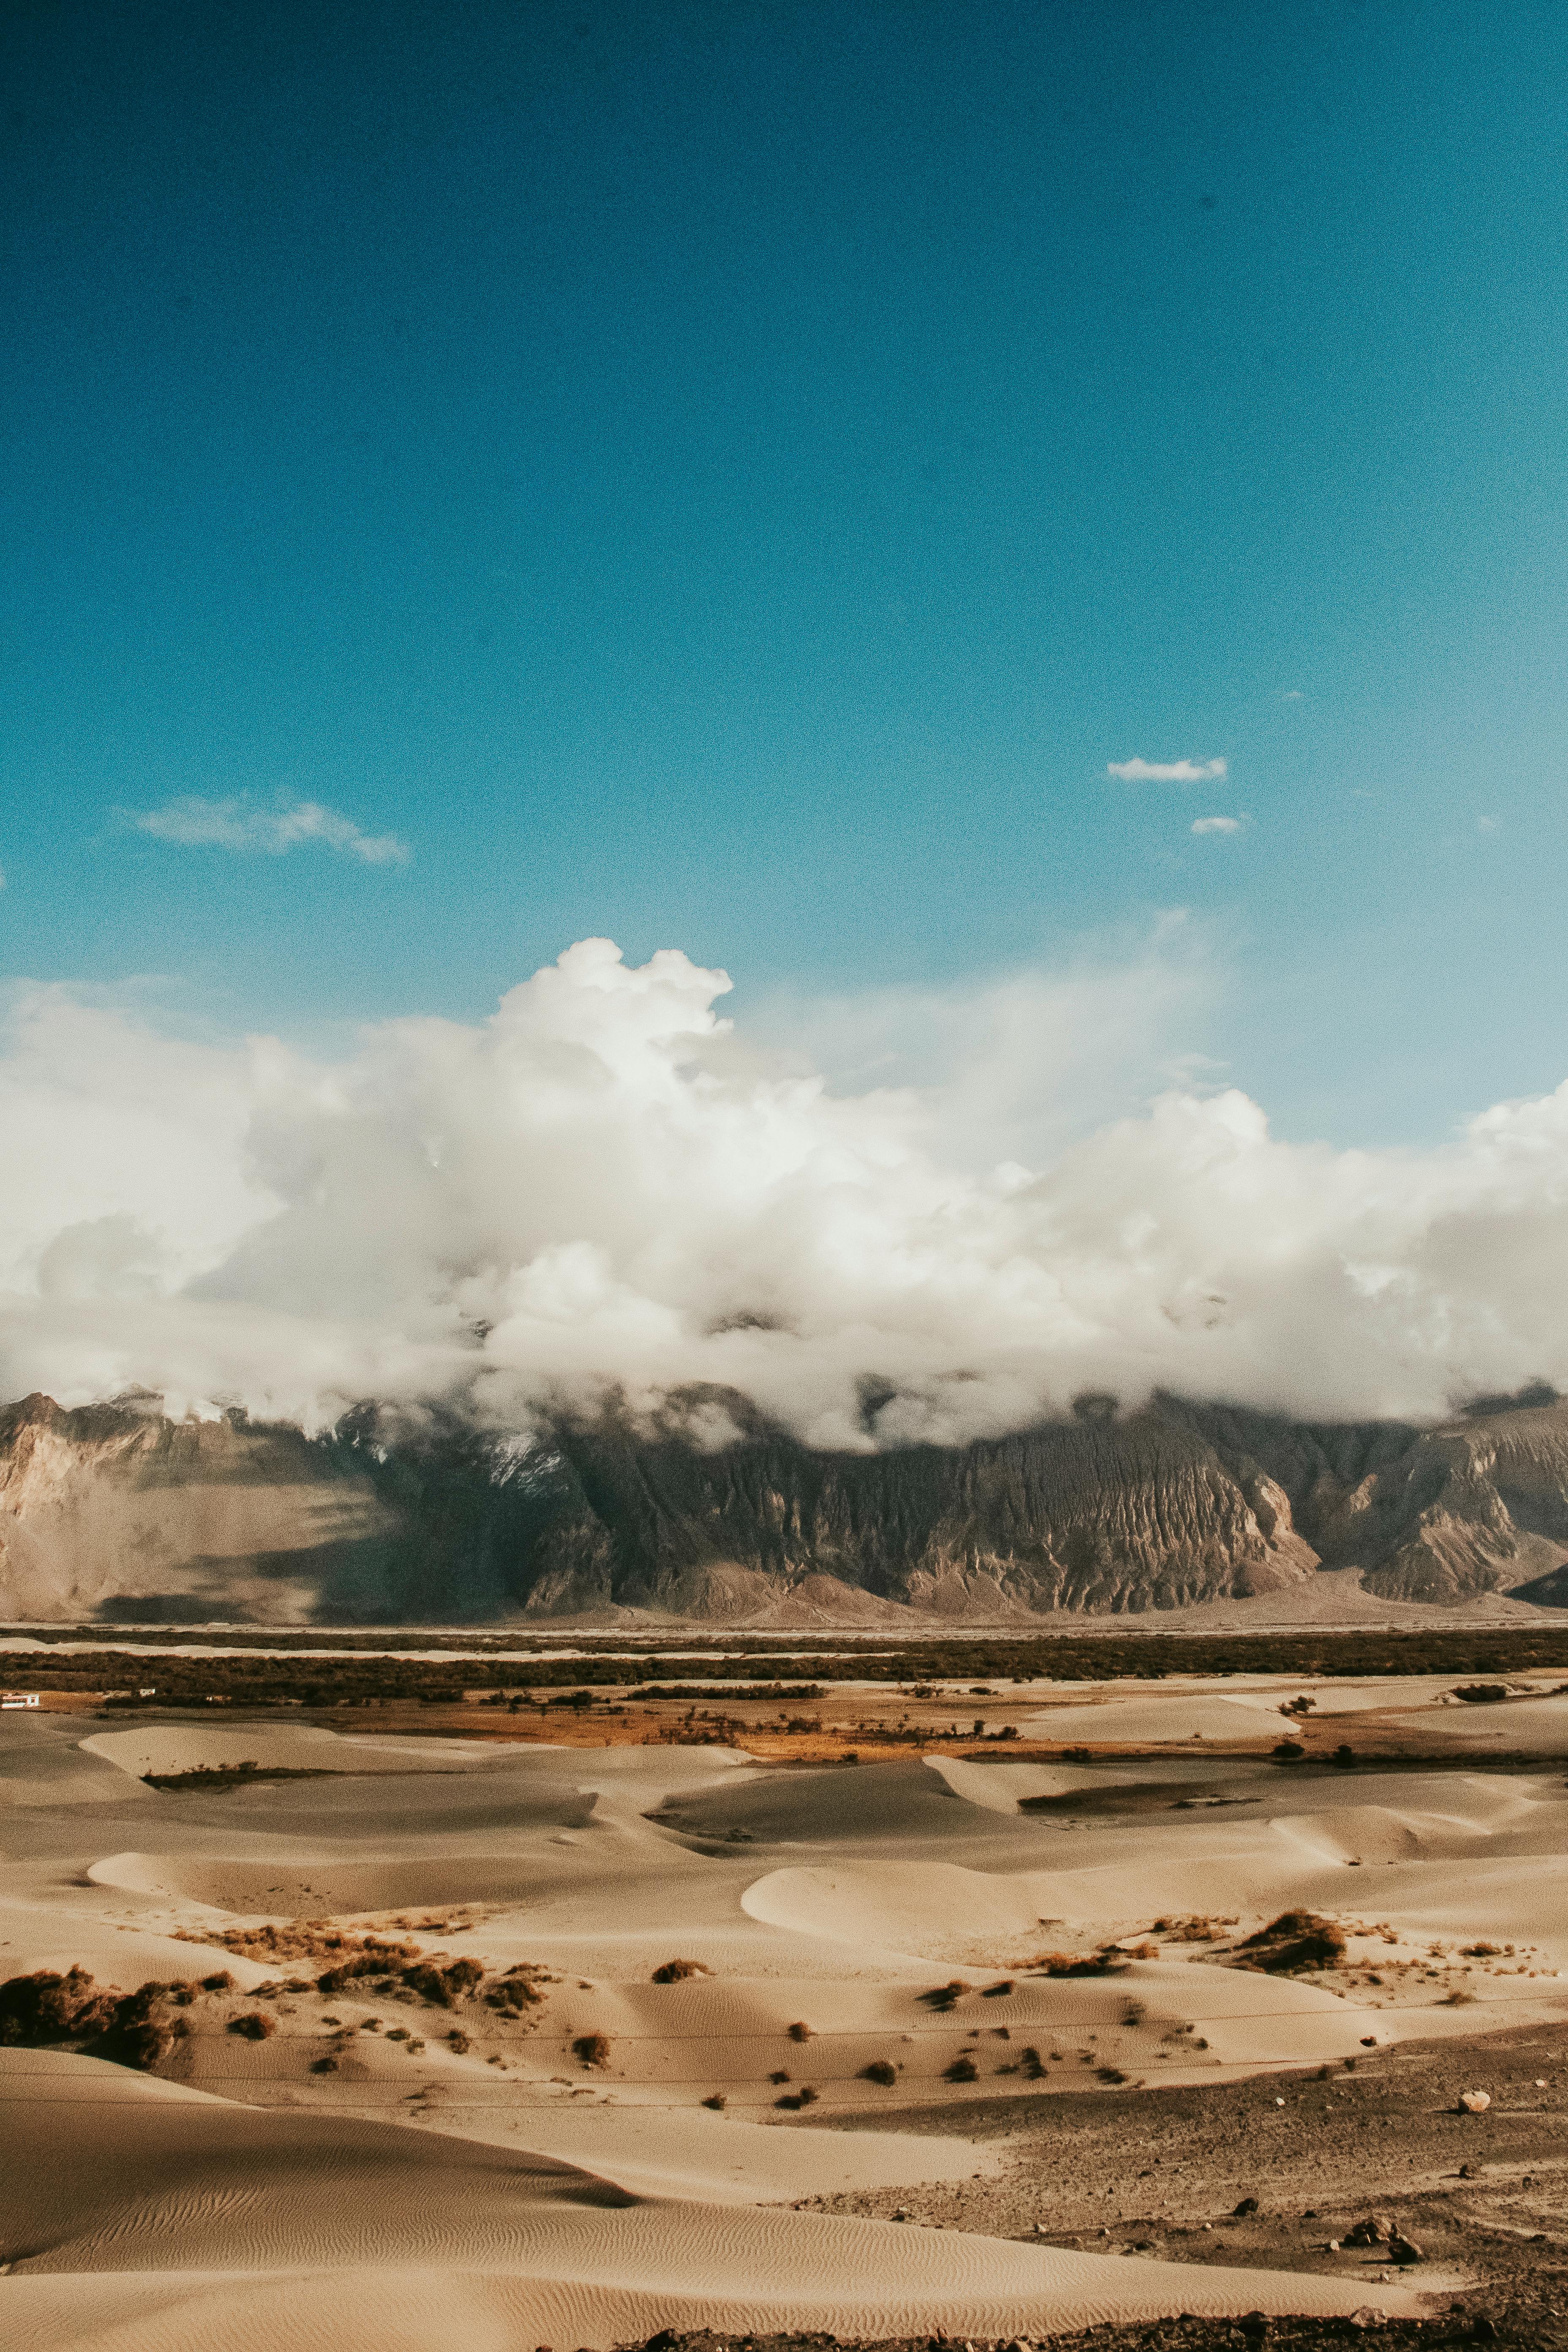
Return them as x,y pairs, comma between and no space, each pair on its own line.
735,476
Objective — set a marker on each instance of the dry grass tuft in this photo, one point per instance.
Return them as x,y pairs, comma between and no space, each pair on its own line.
298,1939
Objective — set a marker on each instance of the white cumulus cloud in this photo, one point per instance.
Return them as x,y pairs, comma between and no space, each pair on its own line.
241,823
1167,772
607,1187
1216,825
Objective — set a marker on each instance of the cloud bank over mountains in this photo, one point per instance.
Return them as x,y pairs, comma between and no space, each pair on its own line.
607,1188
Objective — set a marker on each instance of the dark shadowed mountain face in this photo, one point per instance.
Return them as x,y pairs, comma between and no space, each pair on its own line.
114,1512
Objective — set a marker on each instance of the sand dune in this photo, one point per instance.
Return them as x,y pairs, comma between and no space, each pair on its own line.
203,2218
413,2193
1000,1787
294,1747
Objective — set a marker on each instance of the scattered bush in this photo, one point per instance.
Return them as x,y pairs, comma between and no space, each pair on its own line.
47,2007
255,2025
323,2065
881,2071
518,1988
962,2070
800,2031
676,1971
296,1939
444,1982
945,1997
716,2100
458,2041
1109,2074
1481,1693
592,2049
995,1991
1296,1940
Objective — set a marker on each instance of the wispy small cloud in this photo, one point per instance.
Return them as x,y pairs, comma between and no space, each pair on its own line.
1216,825
1485,825
239,824
1166,771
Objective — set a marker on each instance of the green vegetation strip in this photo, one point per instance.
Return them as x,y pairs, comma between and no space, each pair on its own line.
337,1677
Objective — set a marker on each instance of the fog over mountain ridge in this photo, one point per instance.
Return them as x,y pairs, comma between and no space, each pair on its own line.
606,1192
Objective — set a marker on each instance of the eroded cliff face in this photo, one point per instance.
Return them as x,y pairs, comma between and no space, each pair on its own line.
114,1512
1477,1506
1133,1513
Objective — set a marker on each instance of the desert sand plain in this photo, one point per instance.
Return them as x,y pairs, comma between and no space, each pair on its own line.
607,2155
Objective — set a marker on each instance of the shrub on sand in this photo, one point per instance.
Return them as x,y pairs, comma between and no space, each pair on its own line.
880,2070
1296,1940
255,2025
592,2049
676,1971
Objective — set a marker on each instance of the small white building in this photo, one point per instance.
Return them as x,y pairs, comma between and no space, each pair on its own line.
19,1698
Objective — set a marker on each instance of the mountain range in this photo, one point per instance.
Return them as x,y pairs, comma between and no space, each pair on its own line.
114,1513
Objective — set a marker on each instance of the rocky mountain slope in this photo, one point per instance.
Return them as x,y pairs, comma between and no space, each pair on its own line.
115,1513
1479,1505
